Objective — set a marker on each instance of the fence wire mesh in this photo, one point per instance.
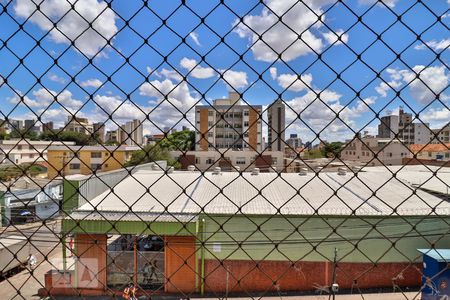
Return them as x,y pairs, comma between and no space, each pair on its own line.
224,148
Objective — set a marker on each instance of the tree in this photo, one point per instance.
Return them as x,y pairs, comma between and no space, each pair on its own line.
181,140
79,138
332,149
151,154
24,134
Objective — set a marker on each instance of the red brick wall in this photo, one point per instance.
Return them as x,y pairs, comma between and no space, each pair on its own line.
91,252
180,258
272,275
428,162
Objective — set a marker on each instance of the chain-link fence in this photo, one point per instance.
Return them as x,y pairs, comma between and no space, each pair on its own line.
224,148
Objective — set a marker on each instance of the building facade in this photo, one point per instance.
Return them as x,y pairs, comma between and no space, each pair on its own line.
268,161
403,125
80,125
26,151
69,160
436,152
216,232
276,119
375,151
227,124
442,134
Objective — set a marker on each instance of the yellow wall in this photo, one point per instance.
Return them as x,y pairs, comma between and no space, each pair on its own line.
110,161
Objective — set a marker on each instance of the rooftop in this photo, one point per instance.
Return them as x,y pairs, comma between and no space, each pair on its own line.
371,192
416,148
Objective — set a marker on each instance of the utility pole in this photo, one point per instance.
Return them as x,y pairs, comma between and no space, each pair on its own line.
334,285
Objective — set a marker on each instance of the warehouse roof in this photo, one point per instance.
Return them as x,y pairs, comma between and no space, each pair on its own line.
369,193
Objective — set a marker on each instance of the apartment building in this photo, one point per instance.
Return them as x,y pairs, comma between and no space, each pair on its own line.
443,135
276,117
77,124
228,124
375,151
69,160
21,151
402,125
99,131
131,133
294,141
437,152
268,161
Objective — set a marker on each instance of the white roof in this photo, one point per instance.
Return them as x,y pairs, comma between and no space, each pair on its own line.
370,193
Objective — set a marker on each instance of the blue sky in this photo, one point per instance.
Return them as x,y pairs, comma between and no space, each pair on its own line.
130,78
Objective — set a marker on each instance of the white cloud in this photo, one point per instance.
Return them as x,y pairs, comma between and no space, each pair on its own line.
433,80
273,73
235,79
293,83
383,88
436,117
43,98
389,3
196,71
94,82
168,112
194,36
56,78
169,74
435,45
72,25
332,37
118,108
282,37
149,70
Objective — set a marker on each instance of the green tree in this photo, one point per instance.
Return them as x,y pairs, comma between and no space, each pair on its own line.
332,149
79,138
181,140
24,134
151,154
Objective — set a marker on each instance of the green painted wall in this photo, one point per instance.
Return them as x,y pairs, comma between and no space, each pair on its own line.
313,239
128,227
70,195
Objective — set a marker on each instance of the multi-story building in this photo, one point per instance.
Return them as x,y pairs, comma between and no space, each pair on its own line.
25,151
99,131
228,124
268,161
49,126
276,116
402,125
388,127
375,151
131,133
294,141
69,160
442,134
77,124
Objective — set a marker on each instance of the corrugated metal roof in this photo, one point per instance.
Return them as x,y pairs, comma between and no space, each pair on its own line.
133,216
370,193
440,255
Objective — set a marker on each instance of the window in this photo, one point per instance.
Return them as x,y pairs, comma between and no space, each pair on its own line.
19,147
245,112
210,134
74,166
95,167
210,160
96,155
246,123
197,160
240,160
210,113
